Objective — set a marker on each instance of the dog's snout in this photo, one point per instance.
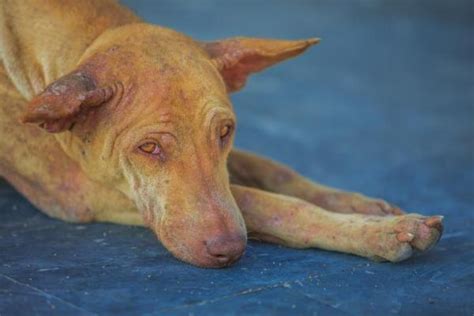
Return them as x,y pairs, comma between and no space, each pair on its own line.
226,249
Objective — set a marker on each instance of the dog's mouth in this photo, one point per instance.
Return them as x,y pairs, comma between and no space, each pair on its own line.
198,231
203,250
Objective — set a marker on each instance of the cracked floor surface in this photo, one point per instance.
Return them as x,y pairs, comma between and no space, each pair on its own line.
384,105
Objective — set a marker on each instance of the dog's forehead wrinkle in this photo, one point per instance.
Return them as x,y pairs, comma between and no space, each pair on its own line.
214,110
165,117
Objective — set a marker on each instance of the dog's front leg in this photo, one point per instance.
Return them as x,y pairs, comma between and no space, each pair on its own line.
251,170
295,223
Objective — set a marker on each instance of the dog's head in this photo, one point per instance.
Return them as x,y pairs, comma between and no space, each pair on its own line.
147,112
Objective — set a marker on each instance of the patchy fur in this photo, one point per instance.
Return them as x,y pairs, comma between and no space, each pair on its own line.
131,123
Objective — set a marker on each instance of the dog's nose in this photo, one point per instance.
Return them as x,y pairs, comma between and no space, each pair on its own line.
226,249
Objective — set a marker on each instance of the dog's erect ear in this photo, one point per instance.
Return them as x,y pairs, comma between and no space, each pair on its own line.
236,58
64,101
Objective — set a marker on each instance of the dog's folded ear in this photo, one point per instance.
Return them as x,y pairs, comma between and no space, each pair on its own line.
236,58
65,101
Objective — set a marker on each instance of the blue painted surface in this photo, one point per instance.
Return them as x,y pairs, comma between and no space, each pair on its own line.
384,105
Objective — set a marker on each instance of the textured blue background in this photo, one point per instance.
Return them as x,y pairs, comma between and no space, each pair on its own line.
384,105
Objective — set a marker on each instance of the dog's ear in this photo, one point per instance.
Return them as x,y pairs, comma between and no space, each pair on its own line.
236,58
65,101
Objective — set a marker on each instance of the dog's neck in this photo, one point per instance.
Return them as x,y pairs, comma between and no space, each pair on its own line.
41,41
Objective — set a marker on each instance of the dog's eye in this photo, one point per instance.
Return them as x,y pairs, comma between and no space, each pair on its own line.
225,133
150,148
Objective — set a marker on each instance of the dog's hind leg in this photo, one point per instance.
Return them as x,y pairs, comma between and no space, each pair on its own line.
296,223
254,171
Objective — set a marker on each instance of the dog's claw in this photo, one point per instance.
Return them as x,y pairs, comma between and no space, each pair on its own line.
428,233
409,233
434,221
405,237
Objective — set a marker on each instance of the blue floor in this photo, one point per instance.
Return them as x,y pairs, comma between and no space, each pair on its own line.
384,106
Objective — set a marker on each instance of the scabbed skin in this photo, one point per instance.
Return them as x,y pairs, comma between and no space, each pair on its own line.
106,118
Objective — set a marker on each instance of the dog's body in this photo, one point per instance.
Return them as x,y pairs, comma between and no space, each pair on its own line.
143,134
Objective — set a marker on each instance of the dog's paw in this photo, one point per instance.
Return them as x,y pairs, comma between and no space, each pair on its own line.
357,203
398,238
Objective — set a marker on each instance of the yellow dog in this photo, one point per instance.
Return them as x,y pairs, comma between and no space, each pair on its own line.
133,125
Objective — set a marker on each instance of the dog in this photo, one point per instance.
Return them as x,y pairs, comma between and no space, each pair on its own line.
106,118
